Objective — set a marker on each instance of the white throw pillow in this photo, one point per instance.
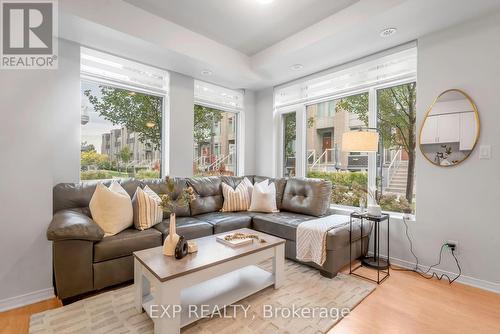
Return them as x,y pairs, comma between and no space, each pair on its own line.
147,208
237,199
264,197
111,208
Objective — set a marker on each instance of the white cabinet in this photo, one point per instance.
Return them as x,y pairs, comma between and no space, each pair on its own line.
430,130
441,129
449,128
468,131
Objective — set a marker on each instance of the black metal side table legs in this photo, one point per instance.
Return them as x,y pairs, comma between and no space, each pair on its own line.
376,261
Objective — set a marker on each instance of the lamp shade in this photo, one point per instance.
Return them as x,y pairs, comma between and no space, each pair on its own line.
360,141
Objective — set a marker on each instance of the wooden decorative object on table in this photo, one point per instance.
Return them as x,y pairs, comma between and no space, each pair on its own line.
238,239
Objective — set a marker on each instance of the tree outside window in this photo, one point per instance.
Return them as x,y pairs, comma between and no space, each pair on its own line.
396,118
215,139
121,133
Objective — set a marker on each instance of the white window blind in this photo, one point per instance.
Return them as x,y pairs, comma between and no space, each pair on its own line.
399,65
218,97
104,67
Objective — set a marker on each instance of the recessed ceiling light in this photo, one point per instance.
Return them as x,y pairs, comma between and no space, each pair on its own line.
265,1
296,67
206,72
388,32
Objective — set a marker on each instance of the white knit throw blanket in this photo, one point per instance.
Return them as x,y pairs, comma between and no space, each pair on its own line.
311,237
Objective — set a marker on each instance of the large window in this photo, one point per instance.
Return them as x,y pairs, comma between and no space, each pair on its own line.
215,142
326,122
121,117
376,95
121,133
218,114
394,170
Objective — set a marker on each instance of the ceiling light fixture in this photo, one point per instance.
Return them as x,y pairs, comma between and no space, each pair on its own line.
388,32
206,72
296,67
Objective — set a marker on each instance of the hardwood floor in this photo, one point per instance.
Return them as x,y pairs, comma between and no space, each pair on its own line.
17,321
407,303
404,303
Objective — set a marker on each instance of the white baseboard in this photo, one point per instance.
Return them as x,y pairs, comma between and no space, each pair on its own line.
26,299
467,280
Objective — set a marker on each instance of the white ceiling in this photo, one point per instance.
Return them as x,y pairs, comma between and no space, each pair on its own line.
248,26
188,36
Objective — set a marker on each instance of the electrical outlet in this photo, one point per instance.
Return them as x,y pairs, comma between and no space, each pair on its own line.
452,242
485,152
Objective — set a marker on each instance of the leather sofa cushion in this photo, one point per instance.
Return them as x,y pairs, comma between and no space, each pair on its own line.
112,272
160,187
233,181
73,224
280,187
280,224
339,238
307,196
227,221
78,195
208,195
284,225
189,227
126,242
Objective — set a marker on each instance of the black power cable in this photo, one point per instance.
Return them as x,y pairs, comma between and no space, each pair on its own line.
426,273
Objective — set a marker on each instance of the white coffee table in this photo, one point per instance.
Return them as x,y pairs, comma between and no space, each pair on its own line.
172,291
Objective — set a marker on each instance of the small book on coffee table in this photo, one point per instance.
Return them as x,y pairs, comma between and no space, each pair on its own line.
233,242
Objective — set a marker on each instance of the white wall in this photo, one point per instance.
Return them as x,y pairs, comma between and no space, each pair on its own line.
39,142
265,146
249,133
181,125
459,203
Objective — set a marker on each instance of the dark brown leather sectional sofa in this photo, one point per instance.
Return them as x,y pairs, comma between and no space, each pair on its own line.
84,261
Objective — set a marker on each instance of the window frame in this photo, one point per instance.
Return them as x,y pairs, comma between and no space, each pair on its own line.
281,117
165,114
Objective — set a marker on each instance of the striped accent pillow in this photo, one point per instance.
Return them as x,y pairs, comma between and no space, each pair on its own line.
147,209
238,199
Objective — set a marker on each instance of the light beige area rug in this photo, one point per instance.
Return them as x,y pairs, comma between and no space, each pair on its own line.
304,289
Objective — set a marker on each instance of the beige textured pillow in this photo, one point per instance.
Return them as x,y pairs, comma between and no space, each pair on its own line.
237,199
264,197
147,210
111,208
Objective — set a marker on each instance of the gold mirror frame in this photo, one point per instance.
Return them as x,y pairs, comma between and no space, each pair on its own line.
476,115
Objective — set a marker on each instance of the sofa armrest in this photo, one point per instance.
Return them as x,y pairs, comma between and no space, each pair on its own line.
73,225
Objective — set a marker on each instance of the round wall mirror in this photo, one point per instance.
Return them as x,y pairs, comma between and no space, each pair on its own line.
450,129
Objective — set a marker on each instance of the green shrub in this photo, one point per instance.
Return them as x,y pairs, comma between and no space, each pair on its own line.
102,175
393,203
347,186
96,175
350,187
341,178
147,174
